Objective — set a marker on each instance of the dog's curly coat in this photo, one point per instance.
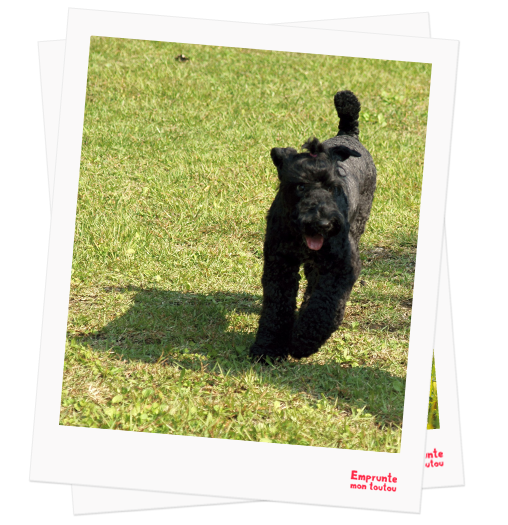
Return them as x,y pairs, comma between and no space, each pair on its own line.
316,219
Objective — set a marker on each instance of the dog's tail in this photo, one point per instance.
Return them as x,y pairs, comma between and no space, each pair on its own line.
348,108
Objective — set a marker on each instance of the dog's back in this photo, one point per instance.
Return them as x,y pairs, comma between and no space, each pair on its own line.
361,170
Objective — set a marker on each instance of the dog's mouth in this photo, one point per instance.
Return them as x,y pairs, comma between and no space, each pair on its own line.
314,242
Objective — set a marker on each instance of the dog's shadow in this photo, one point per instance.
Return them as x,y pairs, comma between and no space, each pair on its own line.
193,330
159,321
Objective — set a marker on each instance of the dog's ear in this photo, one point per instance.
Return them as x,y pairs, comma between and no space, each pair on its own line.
341,153
279,154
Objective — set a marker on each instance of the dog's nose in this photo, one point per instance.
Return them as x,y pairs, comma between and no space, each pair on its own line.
323,223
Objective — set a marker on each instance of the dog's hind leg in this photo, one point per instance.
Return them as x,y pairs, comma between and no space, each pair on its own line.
280,287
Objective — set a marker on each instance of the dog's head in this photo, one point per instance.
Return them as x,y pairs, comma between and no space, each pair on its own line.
314,189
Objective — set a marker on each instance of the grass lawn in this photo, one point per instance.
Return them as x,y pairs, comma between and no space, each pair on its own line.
433,418
175,182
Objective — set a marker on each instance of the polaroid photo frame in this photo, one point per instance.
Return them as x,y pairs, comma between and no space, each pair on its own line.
53,444
444,441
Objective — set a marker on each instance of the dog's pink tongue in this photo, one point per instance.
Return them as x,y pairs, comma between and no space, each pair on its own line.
314,243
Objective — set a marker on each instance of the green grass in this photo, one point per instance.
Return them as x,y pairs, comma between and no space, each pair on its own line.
175,182
433,417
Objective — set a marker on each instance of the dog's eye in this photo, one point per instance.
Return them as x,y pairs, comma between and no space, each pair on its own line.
300,187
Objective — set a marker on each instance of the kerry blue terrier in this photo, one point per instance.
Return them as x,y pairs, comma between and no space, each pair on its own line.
316,219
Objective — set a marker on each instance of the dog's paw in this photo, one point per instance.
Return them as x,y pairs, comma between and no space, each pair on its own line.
301,350
259,354
298,354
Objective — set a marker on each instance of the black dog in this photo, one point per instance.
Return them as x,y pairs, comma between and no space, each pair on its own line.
317,218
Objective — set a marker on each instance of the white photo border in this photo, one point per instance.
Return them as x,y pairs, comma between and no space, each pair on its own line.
218,467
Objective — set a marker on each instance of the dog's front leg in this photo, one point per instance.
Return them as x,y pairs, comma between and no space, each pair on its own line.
280,287
323,313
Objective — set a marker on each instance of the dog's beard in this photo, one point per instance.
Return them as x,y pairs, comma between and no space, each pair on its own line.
314,242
